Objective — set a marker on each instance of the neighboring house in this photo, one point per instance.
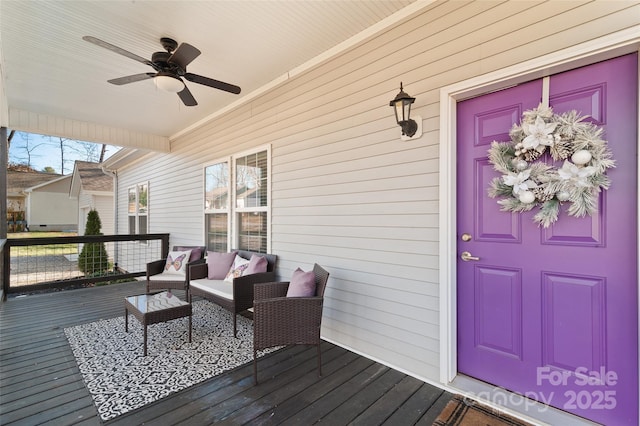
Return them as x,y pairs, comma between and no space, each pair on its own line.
93,189
339,187
49,207
39,201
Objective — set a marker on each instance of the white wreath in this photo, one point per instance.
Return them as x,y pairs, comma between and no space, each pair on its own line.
530,180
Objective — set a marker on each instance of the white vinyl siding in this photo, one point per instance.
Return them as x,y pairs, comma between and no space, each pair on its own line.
104,206
85,203
346,192
49,207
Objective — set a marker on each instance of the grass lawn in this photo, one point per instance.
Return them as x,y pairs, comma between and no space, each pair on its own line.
43,250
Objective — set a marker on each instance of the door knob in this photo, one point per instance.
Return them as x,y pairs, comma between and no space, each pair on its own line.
466,256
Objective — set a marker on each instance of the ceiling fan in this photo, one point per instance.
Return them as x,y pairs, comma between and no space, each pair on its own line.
170,66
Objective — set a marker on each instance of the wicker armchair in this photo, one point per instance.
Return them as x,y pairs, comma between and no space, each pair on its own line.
158,281
280,320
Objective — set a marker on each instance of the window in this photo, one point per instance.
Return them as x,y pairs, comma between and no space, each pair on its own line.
251,173
238,218
216,206
138,208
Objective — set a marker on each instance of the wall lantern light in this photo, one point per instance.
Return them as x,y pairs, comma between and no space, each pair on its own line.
402,107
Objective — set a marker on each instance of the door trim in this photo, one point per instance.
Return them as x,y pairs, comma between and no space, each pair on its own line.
613,45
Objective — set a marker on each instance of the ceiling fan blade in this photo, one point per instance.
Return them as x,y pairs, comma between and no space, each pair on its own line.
187,97
184,54
216,84
131,78
117,49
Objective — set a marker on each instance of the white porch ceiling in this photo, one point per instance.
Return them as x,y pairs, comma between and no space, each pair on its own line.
50,73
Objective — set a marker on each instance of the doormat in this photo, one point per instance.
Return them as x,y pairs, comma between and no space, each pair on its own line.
120,379
461,411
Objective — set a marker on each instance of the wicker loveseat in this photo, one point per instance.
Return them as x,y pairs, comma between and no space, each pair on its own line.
236,296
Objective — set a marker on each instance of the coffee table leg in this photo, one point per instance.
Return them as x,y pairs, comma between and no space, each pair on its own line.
126,320
189,328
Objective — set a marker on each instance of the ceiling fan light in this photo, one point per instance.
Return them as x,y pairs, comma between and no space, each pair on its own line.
168,83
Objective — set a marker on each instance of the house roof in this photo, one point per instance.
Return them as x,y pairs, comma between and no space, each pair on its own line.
40,186
91,178
56,83
18,181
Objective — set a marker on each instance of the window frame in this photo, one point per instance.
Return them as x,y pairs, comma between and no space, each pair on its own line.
136,214
233,211
211,211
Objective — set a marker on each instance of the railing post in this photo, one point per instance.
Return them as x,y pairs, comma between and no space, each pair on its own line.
4,158
6,266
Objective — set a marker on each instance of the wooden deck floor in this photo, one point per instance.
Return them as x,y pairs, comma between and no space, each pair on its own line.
40,382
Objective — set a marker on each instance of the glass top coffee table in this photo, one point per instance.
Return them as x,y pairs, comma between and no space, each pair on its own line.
155,308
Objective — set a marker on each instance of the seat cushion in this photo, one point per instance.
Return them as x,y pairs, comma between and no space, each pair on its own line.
219,288
168,276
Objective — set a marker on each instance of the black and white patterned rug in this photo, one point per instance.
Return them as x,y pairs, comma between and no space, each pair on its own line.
120,379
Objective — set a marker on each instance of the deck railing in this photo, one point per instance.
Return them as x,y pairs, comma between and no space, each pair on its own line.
35,264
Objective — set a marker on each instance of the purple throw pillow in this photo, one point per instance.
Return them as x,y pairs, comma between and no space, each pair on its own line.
256,264
302,284
219,264
196,252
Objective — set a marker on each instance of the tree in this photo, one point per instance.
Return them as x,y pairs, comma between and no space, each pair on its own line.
49,169
87,151
61,142
28,148
93,257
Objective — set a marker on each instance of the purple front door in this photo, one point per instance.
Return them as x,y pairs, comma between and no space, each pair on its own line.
553,313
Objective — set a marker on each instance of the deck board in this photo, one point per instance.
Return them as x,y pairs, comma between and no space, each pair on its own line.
40,382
